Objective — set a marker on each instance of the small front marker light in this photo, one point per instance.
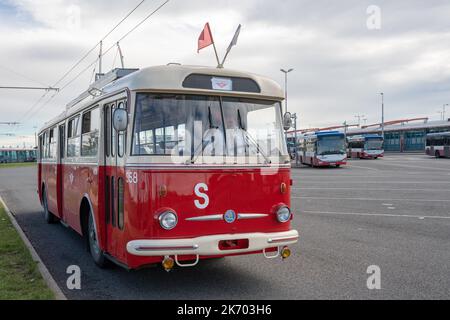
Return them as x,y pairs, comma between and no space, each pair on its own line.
285,253
168,263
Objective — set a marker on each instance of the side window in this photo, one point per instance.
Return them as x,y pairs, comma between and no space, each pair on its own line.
73,137
45,145
52,144
120,204
113,204
121,135
90,133
62,141
107,133
113,133
41,147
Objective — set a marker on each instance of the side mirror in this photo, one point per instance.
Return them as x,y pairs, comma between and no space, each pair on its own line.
287,121
120,120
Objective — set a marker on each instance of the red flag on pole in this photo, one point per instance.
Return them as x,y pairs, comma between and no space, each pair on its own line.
206,38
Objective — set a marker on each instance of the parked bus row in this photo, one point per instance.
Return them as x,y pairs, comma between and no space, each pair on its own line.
161,167
10,155
331,148
438,145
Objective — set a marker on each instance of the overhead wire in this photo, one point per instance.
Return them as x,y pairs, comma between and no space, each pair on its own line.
102,55
83,58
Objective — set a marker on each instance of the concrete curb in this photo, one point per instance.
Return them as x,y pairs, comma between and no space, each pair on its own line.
51,283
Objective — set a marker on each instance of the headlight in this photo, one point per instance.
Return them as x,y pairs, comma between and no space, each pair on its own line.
284,214
168,220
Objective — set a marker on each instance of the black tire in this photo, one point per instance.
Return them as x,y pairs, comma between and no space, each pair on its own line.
437,154
338,166
48,216
96,253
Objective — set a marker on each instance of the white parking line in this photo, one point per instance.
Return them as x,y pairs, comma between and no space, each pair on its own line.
375,182
369,189
369,199
360,167
431,167
376,215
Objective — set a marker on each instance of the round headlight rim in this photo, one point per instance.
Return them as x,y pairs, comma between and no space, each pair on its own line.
278,213
165,213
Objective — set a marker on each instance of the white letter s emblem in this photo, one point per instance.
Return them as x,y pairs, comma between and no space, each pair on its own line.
202,195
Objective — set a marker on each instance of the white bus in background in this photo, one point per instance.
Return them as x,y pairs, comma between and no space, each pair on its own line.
438,144
322,149
365,146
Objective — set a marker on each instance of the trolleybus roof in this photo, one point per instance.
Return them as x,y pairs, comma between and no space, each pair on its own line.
174,78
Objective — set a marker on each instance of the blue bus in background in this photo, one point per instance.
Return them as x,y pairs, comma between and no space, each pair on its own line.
9,155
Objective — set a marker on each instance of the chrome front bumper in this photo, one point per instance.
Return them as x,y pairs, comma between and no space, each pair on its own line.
209,245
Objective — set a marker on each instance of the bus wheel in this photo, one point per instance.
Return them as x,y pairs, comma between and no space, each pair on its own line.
94,248
437,154
338,166
48,216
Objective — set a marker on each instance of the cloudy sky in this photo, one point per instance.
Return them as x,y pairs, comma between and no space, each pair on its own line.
344,52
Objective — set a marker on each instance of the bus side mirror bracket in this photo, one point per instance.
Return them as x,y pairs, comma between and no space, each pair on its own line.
287,121
120,120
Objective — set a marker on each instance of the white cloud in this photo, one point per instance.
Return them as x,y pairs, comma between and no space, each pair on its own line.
340,66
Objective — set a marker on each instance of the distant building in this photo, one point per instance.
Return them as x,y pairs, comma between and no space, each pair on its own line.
402,136
8,155
408,135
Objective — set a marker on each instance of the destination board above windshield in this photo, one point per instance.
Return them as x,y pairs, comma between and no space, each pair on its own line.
219,83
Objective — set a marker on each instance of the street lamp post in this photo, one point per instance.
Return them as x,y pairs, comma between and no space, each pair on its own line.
443,111
359,116
286,86
382,114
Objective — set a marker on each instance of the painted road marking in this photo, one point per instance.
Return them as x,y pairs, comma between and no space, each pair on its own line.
359,167
368,189
376,215
423,168
376,182
369,199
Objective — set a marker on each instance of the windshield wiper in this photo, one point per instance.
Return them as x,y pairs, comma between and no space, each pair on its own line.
258,148
196,155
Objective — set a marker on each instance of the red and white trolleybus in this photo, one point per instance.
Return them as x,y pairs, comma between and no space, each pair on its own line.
438,144
368,146
171,165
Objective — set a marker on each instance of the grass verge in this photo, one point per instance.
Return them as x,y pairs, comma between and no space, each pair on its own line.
20,278
17,165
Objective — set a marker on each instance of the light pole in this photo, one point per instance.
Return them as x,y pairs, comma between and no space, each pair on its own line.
359,116
382,114
443,111
286,86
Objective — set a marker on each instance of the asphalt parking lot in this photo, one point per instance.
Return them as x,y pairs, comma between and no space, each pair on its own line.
393,213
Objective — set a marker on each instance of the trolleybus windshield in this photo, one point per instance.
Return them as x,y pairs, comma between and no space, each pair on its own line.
212,127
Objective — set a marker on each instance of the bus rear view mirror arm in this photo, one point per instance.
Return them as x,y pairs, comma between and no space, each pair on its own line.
120,120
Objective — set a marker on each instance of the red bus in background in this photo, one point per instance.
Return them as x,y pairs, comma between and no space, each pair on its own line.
171,165
323,149
438,145
365,147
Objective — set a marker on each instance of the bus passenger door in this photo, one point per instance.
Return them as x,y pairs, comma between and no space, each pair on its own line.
110,178
59,173
115,148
